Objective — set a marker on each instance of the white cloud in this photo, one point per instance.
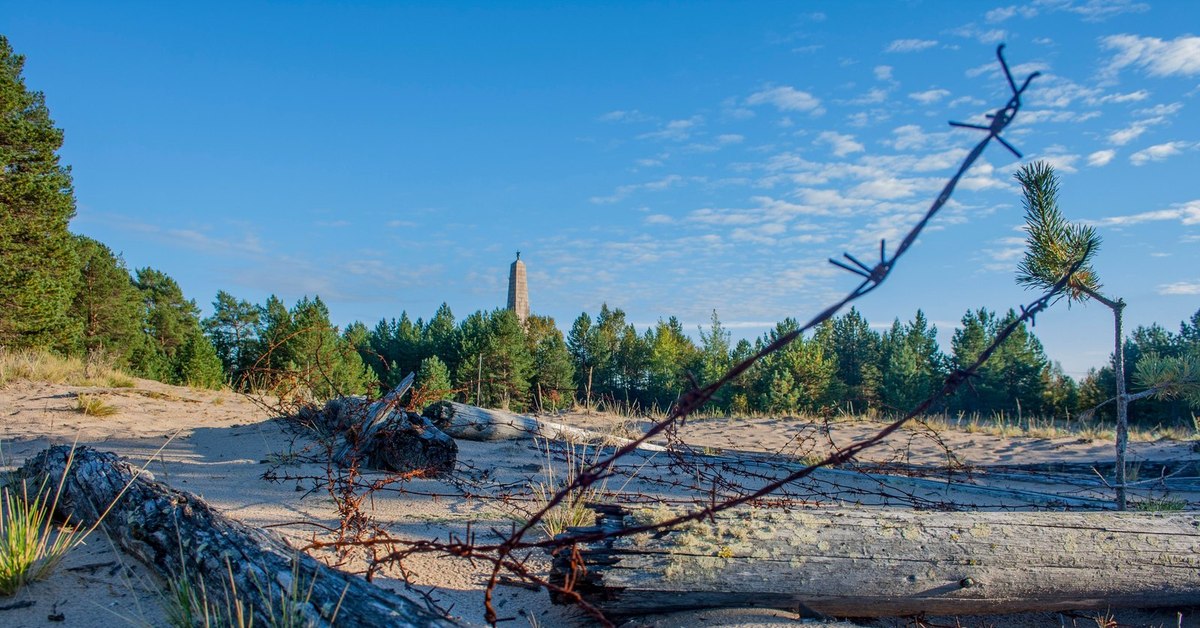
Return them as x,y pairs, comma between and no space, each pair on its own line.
1180,288
659,219
910,45
648,163
1158,152
1186,213
1137,96
929,96
873,96
883,72
1094,10
624,191
730,138
786,98
1061,161
1003,13
1158,115
676,130
990,36
623,116
842,145
1101,158
1176,57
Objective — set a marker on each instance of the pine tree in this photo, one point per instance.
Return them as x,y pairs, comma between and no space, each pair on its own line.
232,329
433,380
197,363
672,357
553,373
106,310
714,359
38,261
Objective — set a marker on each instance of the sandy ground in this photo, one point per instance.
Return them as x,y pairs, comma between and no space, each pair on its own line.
218,445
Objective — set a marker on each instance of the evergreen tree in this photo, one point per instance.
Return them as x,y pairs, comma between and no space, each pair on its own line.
714,359
38,261
169,321
433,380
327,365
855,347
553,374
912,364
197,363
107,309
232,329
440,337
672,356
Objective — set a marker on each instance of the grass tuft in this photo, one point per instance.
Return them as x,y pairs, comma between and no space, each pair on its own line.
31,546
573,511
93,405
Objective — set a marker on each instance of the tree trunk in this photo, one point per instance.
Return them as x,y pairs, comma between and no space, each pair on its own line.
876,563
177,533
480,424
381,435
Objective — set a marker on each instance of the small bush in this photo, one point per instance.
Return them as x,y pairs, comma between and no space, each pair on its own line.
573,510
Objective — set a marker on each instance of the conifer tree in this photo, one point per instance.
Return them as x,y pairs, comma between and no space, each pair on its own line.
433,380
107,309
233,331
38,261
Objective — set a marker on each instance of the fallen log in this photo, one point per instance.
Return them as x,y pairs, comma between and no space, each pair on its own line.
480,424
876,563
177,534
382,435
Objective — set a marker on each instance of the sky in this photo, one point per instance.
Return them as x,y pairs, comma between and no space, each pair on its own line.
669,159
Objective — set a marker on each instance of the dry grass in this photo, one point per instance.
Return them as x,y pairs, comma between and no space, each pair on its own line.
1005,426
573,511
43,366
93,405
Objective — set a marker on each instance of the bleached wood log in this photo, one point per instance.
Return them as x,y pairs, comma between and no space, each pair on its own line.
480,424
875,562
177,533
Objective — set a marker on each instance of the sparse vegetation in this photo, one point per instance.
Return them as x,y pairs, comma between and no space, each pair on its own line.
31,545
94,405
44,366
189,604
573,510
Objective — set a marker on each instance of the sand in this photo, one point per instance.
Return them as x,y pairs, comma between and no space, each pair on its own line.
219,445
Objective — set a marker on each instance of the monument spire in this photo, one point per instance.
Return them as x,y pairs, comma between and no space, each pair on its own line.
518,290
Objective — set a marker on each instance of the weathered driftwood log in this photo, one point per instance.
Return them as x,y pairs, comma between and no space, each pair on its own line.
177,533
473,423
381,435
873,563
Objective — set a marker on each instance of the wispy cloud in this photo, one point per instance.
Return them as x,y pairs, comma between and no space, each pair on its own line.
786,98
1176,57
983,36
841,145
1186,213
883,72
929,96
1101,158
910,45
632,115
1186,288
1004,13
1155,115
675,130
623,192
1094,10
1159,152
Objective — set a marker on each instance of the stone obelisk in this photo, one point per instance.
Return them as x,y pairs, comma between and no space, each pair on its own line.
518,290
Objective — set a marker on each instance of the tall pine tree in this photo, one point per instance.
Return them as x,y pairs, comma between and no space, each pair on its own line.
38,263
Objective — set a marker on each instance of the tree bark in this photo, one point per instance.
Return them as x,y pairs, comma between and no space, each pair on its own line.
177,533
876,563
480,424
381,435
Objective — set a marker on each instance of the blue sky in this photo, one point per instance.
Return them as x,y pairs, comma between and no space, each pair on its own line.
666,158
